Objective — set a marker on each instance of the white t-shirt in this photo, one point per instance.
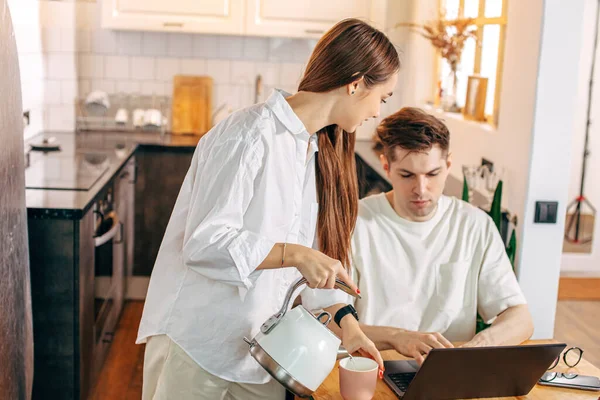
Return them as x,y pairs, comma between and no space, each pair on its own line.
431,276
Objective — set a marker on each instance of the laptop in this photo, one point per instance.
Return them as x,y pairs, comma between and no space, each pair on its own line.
467,373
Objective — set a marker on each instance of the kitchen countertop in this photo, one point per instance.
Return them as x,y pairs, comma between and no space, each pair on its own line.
116,148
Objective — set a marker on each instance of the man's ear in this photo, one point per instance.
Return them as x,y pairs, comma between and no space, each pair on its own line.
449,160
385,164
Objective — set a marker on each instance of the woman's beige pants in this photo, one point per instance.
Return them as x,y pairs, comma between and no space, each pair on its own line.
169,373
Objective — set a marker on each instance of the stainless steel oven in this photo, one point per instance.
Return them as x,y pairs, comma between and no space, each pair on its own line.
109,256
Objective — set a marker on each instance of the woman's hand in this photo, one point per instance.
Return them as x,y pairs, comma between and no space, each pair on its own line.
319,269
354,340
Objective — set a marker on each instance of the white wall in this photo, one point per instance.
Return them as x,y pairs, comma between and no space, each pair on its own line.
555,112
588,264
26,24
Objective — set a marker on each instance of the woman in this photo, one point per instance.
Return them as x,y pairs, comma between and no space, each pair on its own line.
244,224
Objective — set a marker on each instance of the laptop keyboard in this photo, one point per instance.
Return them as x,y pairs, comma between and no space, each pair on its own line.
402,380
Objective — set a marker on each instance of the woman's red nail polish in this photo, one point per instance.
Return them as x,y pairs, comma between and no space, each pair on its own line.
380,374
358,291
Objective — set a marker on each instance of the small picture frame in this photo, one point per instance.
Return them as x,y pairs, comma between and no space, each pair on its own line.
474,108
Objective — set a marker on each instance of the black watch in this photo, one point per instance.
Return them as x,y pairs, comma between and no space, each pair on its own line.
342,312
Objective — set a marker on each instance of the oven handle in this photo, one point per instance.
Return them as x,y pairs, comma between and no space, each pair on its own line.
111,233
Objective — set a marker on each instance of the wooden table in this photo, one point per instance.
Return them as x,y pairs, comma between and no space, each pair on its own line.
330,388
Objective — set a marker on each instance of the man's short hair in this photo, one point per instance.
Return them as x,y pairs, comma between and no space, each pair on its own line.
411,129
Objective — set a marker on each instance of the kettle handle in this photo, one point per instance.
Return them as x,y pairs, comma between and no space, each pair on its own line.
339,284
324,314
274,320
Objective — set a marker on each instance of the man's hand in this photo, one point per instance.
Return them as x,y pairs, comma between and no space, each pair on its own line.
479,340
417,344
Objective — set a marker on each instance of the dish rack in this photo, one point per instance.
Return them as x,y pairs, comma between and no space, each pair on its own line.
93,116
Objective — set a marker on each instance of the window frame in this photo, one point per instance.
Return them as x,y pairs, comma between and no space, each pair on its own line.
480,21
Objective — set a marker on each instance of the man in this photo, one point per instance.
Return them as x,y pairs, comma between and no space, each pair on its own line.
425,263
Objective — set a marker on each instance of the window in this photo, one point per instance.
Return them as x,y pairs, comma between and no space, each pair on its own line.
486,59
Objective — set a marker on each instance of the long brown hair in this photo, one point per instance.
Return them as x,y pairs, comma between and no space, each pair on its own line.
348,51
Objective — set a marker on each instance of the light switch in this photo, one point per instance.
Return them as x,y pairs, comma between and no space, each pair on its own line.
546,212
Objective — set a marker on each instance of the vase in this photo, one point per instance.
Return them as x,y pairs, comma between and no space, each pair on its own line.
449,101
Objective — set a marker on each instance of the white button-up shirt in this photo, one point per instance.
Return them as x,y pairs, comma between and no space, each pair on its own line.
251,184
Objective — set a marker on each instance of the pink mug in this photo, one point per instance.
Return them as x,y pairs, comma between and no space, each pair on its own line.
358,378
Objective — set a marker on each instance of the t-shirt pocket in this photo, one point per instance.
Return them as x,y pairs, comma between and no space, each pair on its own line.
453,291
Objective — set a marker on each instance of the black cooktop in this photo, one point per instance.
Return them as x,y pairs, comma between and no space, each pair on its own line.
59,171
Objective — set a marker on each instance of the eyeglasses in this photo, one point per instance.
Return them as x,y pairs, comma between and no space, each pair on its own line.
571,357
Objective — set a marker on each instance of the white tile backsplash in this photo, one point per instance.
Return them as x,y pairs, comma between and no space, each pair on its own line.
290,74
61,66
301,49
242,96
180,45
116,67
68,40
52,93
231,47
83,40
84,87
193,67
154,44
104,41
51,40
166,68
220,70
280,50
68,91
32,66
143,68
243,73
90,66
153,88
105,85
256,48
59,14
206,46
87,15
269,73
59,118
129,43
64,53
128,86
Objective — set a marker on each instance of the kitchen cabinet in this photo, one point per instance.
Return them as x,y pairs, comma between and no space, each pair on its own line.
61,258
77,287
279,18
161,171
206,16
308,18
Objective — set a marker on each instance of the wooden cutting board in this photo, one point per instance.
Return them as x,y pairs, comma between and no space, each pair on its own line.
192,105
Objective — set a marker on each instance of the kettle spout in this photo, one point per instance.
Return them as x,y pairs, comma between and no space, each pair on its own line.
342,353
